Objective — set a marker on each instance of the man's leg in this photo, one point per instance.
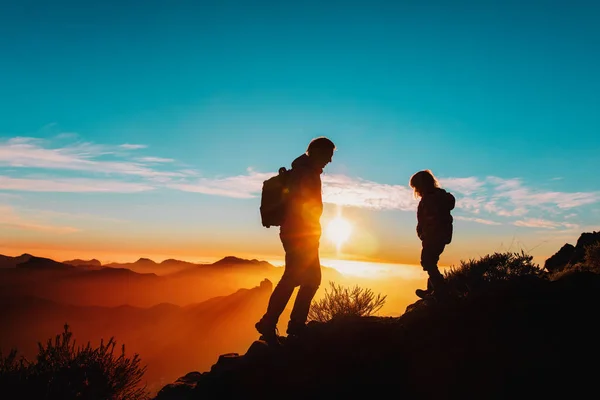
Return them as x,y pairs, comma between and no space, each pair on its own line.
280,297
277,302
310,280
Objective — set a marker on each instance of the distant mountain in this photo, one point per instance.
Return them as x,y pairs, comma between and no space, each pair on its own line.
93,263
227,266
173,266
170,339
46,264
12,262
142,262
235,261
172,263
143,265
148,265
118,272
142,283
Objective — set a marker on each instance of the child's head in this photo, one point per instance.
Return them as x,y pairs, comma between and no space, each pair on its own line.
422,182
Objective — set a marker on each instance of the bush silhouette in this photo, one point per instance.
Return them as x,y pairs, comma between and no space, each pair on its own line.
345,302
475,275
63,371
592,256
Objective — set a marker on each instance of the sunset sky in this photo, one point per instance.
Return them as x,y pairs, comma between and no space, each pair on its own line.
145,129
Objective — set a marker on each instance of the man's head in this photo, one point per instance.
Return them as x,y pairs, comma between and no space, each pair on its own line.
320,151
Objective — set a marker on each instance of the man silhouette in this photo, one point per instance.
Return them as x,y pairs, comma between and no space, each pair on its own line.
300,233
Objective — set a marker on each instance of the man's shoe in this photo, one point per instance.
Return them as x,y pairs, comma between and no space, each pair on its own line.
424,294
295,329
268,333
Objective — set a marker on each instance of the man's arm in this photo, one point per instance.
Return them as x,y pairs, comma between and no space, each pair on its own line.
308,196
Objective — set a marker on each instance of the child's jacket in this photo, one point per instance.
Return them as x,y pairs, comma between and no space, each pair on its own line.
434,221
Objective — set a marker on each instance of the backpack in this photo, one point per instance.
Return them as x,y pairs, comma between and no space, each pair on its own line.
275,191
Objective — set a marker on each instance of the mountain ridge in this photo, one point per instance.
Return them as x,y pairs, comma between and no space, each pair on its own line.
524,337
31,261
93,263
510,329
139,287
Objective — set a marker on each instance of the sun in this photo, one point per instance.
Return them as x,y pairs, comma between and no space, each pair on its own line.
338,231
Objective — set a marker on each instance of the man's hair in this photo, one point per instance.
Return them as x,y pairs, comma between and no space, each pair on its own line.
423,181
320,143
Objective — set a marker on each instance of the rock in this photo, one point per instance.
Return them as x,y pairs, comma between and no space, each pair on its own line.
258,349
180,388
569,255
227,362
560,259
266,285
586,239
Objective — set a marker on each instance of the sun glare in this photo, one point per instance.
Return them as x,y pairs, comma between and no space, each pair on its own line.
338,231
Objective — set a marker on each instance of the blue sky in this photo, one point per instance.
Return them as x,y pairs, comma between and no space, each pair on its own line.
146,128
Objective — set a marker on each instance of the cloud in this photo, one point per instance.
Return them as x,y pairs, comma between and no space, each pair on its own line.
488,200
514,191
345,191
70,185
502,199
501,184
240,186
18,140
337,189
11,219
493,208
189,172
569,233
525,197
30,153
132,146
478,220
66,216
472,204
9,196
544,224
25,156
469,185
155,159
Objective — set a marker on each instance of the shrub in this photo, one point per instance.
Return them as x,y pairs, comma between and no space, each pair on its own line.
344,302
592,256
63,371
472,275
